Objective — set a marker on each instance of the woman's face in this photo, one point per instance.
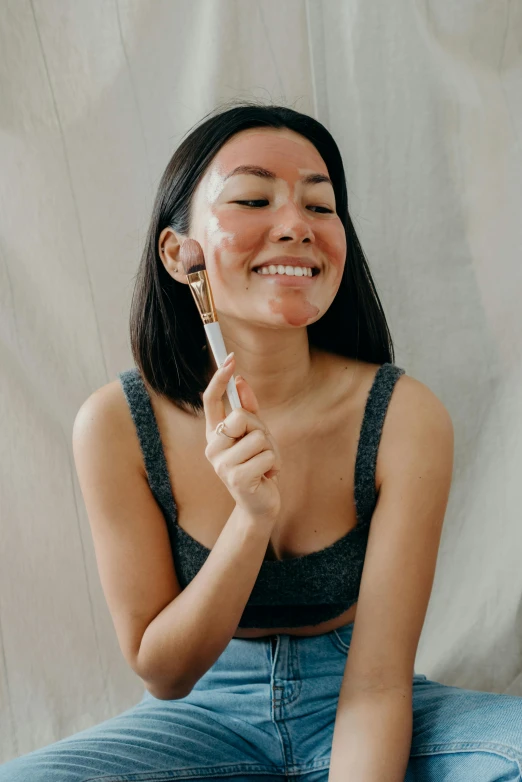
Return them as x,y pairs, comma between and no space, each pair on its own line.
242,220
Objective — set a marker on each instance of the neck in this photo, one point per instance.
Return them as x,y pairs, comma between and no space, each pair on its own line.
279,365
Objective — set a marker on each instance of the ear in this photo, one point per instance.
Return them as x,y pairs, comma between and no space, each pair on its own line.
169,243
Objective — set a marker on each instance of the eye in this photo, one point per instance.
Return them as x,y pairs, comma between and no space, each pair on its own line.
264,201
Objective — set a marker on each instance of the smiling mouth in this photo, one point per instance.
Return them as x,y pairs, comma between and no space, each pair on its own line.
288,280
307,273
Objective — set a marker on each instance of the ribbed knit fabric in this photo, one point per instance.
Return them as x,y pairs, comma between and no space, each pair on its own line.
295,592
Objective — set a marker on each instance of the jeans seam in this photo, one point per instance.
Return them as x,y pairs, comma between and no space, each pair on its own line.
188,773
315,765
296,691
491,747
344,647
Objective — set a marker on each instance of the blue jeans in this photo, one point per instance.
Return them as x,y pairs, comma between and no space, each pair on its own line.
266,709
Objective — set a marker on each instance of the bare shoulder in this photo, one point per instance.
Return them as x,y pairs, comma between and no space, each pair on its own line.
414,404
105,415
416,421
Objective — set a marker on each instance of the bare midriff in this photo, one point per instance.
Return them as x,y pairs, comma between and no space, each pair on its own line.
325,627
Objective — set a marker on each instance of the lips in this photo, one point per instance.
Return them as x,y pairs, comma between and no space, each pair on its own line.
289,260
286,280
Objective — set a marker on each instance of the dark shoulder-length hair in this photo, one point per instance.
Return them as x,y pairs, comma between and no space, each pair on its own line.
167,336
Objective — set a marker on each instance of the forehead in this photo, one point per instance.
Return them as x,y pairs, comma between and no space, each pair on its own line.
285,152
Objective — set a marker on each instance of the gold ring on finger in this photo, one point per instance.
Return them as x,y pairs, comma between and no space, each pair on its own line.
220,430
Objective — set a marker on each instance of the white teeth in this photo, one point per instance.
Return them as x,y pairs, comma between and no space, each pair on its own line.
291,271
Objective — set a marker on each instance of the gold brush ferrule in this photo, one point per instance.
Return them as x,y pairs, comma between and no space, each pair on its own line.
200,287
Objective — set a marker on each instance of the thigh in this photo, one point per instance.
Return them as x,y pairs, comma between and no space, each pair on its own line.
463,734
154,740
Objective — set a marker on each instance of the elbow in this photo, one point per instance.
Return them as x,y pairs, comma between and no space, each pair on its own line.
166,693
161,685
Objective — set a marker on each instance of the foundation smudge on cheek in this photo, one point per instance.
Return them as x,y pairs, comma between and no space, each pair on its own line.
217,237
294,307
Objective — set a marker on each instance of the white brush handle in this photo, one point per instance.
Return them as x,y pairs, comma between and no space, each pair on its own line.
215,338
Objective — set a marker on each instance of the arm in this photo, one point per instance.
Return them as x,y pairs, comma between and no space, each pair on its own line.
372,737
169,637
189,635
373,727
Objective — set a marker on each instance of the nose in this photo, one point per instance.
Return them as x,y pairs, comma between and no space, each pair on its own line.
292,226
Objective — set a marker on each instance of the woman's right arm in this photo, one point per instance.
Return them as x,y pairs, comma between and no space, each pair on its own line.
169,637
193,630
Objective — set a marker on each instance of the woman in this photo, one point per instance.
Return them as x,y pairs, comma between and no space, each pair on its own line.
268,569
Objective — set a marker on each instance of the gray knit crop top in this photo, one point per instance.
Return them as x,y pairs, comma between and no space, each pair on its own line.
296,592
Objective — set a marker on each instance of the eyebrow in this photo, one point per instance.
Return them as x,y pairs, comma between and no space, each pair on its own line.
310,179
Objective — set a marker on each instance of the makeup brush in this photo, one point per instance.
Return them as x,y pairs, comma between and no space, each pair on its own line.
193,262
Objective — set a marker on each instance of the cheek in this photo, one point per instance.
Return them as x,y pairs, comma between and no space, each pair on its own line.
331,241
237,233
230,237
228,242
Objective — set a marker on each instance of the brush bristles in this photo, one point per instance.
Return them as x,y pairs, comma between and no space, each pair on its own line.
191,256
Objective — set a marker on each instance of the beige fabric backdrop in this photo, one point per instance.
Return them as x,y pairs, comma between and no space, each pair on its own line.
425,101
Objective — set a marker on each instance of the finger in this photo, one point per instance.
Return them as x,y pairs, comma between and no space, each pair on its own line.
242,450
238,423
213,395
275,448
246,395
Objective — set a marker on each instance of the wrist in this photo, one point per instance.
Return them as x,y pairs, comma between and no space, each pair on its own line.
257,523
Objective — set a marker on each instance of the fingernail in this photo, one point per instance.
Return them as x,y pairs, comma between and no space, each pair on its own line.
238,377
228,359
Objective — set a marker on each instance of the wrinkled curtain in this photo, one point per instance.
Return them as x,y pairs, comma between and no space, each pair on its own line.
425,101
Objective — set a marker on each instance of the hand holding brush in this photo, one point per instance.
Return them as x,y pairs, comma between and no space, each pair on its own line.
242,450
